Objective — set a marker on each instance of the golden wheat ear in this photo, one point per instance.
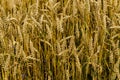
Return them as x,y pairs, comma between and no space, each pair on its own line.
59,39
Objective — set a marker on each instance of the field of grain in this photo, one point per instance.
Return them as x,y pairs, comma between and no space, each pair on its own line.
59,39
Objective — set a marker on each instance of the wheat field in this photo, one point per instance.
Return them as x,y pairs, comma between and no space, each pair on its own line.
59,39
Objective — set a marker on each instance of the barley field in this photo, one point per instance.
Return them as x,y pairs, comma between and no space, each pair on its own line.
59,39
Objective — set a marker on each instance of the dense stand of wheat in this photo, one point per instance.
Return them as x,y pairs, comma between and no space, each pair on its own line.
59,39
